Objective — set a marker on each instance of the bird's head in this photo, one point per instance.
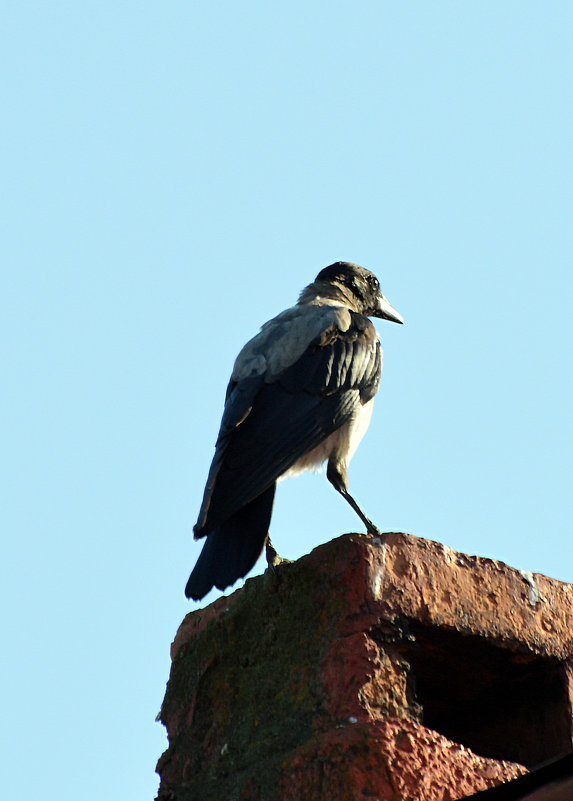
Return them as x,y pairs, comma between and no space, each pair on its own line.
358,287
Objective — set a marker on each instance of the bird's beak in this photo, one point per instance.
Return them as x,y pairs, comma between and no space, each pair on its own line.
387,312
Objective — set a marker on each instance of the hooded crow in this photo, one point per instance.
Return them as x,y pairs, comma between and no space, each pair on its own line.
301,393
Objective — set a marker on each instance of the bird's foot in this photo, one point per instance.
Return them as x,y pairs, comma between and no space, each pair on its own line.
372,530
273,557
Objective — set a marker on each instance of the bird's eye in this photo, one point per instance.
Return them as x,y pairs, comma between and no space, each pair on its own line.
374,283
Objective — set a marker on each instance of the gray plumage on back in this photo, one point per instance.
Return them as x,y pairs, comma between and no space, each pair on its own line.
301,393
284,339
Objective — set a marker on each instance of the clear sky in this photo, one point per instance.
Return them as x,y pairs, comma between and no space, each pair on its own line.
172,175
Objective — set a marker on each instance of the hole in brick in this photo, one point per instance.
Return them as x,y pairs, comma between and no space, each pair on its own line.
501,703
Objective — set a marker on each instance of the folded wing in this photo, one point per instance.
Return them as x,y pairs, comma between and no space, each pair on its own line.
271,420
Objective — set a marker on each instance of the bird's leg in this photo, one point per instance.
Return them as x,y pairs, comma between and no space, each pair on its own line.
273,558
339,480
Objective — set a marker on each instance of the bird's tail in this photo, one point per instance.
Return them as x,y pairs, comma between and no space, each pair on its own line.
232,548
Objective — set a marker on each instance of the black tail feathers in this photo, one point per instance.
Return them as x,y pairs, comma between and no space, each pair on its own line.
232,548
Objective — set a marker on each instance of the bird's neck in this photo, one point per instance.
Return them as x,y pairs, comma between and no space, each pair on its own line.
324,292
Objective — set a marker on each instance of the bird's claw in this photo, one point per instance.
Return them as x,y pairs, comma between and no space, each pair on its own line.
373,530
273,558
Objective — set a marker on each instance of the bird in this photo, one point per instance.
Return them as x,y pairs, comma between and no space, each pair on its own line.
301,393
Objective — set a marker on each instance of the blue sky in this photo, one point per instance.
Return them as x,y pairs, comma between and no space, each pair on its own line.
173,174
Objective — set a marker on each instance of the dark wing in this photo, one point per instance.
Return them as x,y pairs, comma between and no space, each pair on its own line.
267,427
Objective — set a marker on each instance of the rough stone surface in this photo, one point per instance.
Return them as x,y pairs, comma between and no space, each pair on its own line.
390,760
388,669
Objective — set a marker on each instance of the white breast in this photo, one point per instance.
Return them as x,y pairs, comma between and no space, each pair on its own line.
340,445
